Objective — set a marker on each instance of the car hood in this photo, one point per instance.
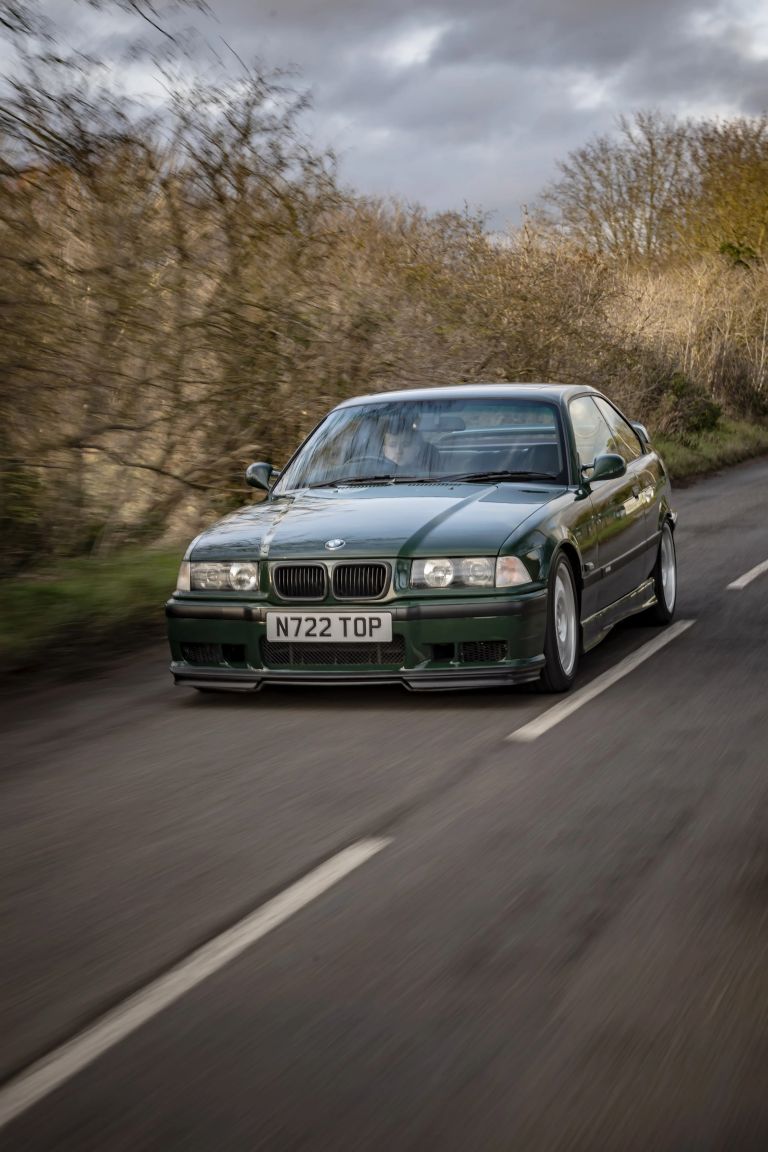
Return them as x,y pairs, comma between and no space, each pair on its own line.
409,520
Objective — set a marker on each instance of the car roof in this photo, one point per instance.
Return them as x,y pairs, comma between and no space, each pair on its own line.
508,390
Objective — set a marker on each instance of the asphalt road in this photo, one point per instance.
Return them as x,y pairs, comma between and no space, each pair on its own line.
562,945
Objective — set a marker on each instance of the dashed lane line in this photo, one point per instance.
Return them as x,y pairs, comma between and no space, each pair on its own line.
50,1072
748,577
578,699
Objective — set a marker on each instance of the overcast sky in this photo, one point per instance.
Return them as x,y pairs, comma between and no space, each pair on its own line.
476,100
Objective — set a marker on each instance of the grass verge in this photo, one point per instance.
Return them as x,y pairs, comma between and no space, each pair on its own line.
56,617
730,443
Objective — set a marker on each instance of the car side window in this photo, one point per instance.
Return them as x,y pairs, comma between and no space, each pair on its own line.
592,434
625,440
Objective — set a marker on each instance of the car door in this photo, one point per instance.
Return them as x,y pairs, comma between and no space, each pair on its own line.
644,468
617,504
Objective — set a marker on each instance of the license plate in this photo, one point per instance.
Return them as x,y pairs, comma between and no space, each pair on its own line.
330,627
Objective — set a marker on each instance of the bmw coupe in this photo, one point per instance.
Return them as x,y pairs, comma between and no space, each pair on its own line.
438,538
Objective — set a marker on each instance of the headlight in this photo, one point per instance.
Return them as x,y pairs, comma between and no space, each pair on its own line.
244,577
433,573
478,572
459,572
216,577
469,572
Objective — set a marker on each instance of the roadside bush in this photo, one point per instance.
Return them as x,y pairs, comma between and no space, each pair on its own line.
684,410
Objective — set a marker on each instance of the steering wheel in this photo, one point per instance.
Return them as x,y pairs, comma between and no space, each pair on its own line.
357,461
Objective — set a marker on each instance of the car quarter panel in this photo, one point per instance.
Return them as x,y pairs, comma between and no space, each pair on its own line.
660,498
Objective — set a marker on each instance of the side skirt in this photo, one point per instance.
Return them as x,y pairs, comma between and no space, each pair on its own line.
595,627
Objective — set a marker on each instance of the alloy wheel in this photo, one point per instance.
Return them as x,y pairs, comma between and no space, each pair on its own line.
668,568
566,632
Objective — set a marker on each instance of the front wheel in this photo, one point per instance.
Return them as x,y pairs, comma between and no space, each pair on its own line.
561,642
664,579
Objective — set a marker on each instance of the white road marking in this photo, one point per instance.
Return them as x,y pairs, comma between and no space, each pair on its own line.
575,701
748,577
48,1073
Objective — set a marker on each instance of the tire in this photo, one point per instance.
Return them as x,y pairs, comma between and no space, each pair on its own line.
664,579
562,641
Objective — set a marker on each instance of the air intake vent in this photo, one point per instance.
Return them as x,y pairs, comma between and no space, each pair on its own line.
299,581
213,653
202,653
483,651
360,581
277,655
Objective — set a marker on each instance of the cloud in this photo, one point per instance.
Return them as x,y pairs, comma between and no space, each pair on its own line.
445,101
411,47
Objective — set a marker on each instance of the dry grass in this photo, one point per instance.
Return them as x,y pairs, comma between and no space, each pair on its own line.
54,616
732,442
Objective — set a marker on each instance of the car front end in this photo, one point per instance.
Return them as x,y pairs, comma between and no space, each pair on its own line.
424,622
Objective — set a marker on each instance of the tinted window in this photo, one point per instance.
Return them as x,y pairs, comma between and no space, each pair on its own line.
625,440
593,436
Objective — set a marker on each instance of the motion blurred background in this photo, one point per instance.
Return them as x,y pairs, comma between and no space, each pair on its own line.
189,280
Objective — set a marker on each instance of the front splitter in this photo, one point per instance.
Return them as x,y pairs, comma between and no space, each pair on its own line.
416,680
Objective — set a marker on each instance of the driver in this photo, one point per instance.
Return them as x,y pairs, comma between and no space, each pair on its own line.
408,450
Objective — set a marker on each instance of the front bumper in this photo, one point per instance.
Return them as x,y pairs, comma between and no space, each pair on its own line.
435,638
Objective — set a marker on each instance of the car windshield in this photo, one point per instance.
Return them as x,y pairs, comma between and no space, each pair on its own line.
423,441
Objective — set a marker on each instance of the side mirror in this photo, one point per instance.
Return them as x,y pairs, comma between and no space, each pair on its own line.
608,467
642,432
258,475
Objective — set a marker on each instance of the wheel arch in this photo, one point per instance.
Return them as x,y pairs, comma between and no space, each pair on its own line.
666,514
568,548
545,544
557,679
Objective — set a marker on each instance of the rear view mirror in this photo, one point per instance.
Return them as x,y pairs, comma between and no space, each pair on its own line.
259,474
608,467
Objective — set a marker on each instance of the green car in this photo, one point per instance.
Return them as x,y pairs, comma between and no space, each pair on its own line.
438,538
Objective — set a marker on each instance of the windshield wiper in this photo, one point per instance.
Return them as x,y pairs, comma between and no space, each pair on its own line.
416,479
500,475
341,481
470,477
393,479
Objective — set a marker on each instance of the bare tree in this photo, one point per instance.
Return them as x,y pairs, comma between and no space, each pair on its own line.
622,195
